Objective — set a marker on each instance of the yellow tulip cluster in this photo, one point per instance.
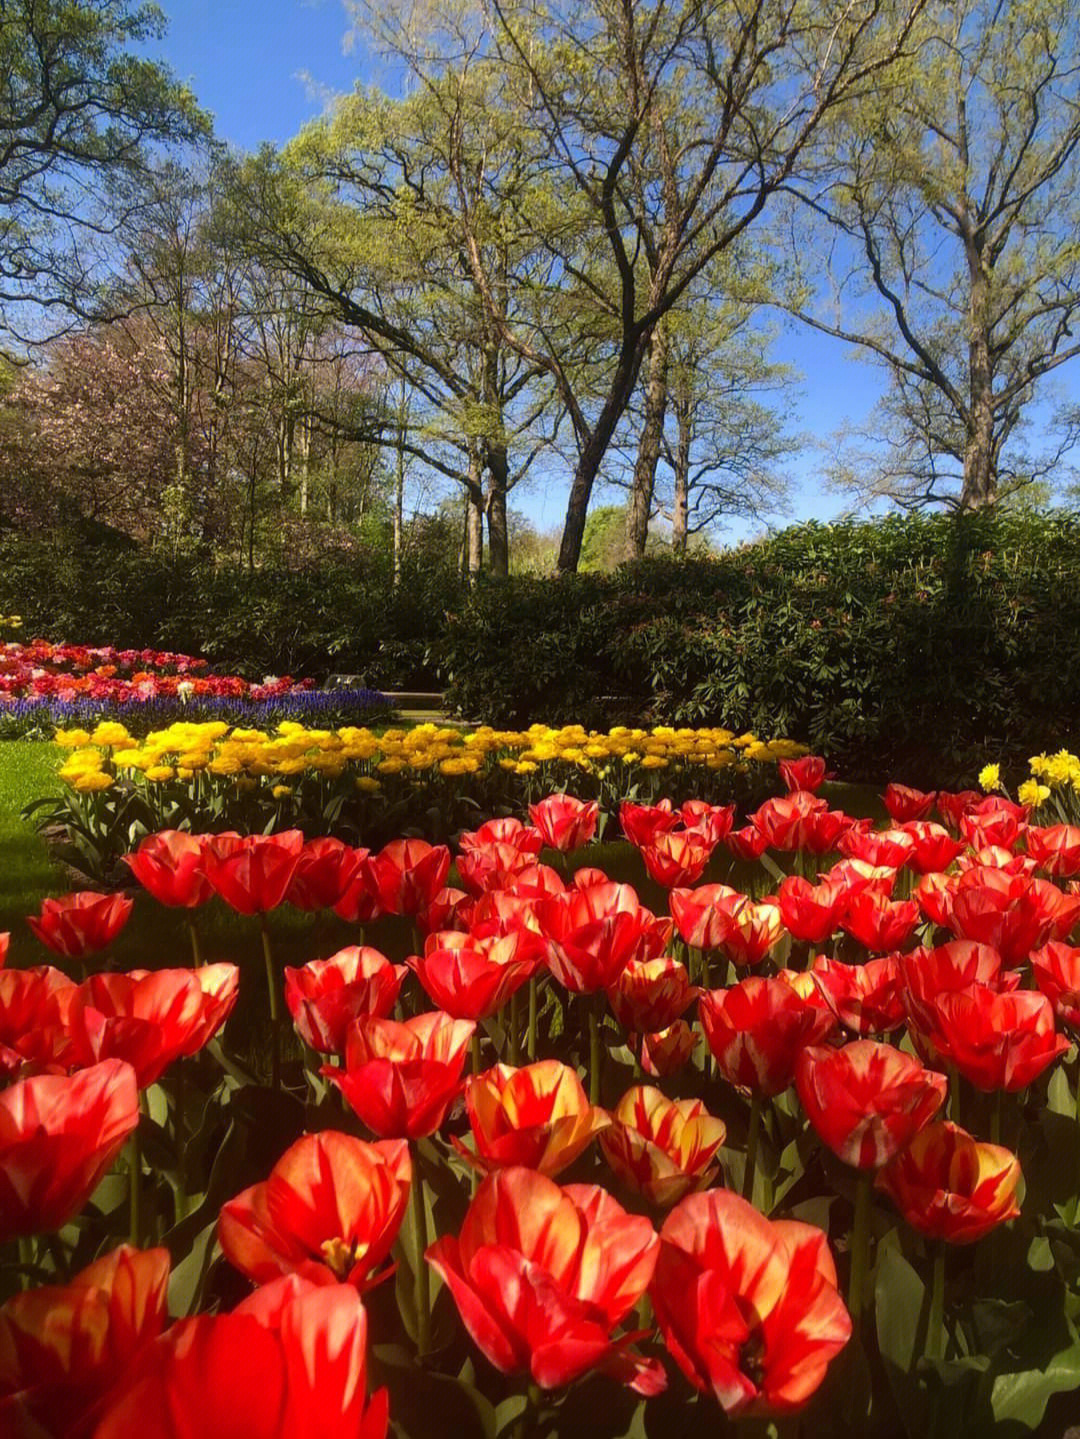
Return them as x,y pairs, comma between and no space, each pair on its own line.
251,757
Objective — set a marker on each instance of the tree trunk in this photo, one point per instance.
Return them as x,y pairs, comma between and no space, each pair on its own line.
680,516
474,516
399,502
498,537
593,452
980,479
652,430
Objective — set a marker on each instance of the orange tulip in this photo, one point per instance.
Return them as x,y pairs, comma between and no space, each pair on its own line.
662,1148
330,1210
949,1186
63,1346
542,1275
748,1307
538,1117
650,994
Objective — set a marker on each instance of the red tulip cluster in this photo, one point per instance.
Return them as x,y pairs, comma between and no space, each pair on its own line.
952,940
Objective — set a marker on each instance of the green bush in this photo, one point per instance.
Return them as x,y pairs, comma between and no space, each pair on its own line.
909,647
337,614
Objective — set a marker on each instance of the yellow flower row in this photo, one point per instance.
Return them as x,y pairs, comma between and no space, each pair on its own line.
186,750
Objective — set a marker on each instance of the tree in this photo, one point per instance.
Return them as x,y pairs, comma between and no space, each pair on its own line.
78,115
671,126
952,193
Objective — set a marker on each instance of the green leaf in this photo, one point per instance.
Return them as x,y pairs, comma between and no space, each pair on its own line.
1023,1397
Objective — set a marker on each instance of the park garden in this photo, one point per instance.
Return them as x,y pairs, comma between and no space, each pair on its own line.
463,977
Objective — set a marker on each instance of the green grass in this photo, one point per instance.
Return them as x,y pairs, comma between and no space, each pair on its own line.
27,874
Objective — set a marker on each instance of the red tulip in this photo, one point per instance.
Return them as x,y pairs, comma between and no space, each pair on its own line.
148,1018
492,867
538,1117
810,912
253,876
677,857
591,935
949,1186
879,924
756,1030
748,1307
783,820
807,773
326,995
220,985
565,823
747,844
1055,849
401,1079
407,874
662,1148
1011,912
80,924
448,910
934,895
641,823
906,804
360,902
503,831
34,1008
324,873
667,1051
865,998
753,931
288,1363
64,1346
650,994
542,1275
1056,968
950,968
474,980
997,1041
867,1100
703,915
58,1137
934,849
169,865
952,807
330,1210
714,821
855,876
994,820
890,848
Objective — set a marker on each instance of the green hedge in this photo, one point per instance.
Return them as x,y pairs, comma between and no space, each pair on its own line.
910,647
338,615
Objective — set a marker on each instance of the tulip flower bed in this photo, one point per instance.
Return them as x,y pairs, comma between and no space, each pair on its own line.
794,1155
44,686
368,787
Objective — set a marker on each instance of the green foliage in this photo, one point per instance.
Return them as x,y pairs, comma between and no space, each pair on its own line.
911,647
334,614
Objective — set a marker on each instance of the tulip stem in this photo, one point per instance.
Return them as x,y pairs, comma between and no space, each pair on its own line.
954,1094
196,951
135,1188
179,1143
860,1245
474,1049
272,992
595,1051
995,1119
752,1147
935,1333
513,1038
533,983
27,1262
421,1283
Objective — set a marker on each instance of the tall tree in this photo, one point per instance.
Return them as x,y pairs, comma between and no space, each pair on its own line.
952,196
79,113
671,123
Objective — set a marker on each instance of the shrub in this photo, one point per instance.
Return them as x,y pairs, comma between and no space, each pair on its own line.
914,646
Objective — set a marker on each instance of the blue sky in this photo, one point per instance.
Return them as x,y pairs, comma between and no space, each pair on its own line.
265,67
